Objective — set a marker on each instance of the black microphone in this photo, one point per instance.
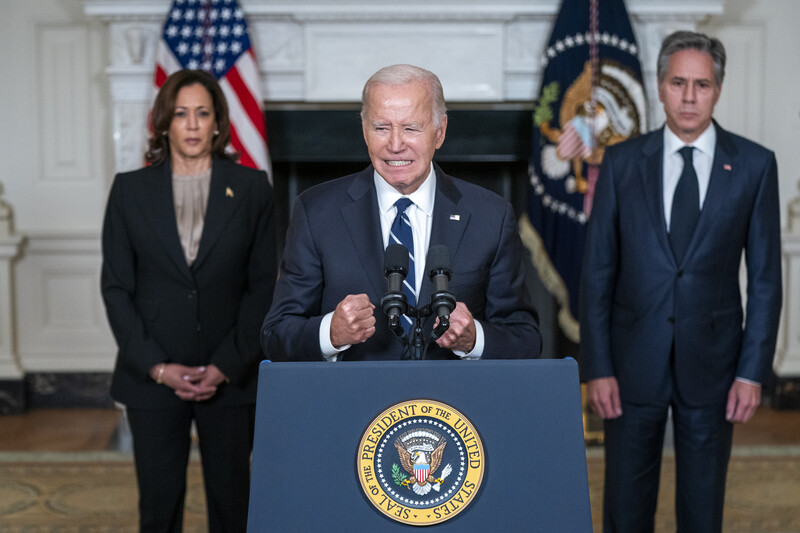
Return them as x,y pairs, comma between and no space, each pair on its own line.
394,303
442,300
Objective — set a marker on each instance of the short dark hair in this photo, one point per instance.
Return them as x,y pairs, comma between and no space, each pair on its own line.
164,109
690,40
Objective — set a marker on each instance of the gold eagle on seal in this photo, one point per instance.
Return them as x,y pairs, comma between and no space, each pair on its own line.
421,455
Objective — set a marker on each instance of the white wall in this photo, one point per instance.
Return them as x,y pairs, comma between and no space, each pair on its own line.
763,45
55,150
57,147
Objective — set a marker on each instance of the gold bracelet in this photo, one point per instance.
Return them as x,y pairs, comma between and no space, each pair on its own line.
160,378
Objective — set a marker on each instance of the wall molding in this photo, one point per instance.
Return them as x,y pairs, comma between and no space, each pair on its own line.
62,324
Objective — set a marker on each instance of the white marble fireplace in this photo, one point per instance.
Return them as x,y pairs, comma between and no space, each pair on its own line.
321,51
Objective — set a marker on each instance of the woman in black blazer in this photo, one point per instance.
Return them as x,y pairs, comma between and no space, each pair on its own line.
189,266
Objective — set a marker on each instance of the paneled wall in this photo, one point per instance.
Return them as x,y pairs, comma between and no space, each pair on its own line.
55,146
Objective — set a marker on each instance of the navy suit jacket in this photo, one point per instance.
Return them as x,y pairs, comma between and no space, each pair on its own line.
334,248
162,310
636,300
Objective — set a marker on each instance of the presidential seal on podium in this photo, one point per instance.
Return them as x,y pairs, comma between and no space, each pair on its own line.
420,462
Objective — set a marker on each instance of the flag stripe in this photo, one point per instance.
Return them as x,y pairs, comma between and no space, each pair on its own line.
161,76
248,70
249,137
242,90
244,156
165,61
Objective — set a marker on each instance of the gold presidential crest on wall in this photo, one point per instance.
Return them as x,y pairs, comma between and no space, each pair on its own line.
420,462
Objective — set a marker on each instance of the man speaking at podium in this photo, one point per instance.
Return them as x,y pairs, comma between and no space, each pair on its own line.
327,302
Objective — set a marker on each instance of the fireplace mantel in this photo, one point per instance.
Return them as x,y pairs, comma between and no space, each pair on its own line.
320,51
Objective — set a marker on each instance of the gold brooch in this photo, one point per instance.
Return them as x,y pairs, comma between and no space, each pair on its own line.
228,192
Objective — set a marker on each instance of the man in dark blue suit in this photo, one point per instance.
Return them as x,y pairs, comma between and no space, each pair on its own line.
327,300
662,322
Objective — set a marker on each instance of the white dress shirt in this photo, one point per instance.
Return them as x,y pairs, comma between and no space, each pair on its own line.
703,155
420,213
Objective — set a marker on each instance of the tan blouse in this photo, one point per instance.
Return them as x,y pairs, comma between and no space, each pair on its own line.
191,199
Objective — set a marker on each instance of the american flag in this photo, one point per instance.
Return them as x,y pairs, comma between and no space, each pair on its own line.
212,35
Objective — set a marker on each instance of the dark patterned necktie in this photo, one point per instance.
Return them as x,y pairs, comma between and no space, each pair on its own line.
401,234
685,206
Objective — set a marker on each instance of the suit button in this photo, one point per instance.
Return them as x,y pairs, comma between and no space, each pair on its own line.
671,320
198,328
191,295
680,273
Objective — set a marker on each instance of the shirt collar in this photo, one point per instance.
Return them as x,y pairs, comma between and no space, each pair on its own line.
705,143
423,197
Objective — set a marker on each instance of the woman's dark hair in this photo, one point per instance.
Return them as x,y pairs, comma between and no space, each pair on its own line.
164,109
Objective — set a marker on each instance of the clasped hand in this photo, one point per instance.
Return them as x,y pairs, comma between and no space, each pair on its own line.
192,383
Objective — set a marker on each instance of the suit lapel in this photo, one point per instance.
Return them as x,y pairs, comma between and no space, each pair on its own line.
719,186
158,206
448,224
225,196
366,235
651,169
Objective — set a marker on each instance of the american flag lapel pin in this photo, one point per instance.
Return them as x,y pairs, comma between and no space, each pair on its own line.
455,217
727,167
228,192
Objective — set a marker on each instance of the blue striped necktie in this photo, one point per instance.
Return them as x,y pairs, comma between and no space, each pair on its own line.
401,234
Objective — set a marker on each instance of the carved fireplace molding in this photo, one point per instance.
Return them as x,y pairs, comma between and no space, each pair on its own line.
320,51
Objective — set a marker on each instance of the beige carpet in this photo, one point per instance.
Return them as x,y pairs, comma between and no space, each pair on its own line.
762,494
88,496
60,493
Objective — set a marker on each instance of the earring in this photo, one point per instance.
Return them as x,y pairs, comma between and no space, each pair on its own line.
216,132
164,133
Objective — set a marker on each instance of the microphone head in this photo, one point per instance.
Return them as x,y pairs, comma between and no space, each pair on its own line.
395,259
438,260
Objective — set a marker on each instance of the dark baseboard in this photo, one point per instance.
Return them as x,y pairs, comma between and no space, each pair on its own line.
786,393
69,389
12,397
